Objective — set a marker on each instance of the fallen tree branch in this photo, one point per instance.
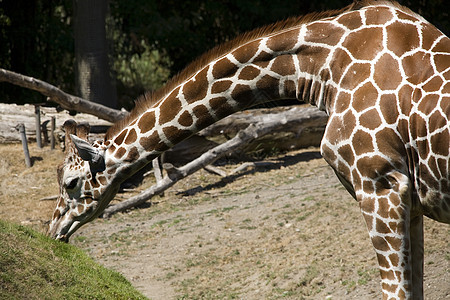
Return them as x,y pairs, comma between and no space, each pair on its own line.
248,165
56,95
252,132
214,170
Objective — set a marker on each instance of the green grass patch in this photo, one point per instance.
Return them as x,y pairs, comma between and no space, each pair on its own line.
33,266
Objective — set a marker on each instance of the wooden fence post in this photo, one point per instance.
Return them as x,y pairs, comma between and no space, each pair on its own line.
44,131
52,133
37,113
23,136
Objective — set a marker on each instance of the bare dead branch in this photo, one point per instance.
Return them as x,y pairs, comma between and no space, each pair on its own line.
248,165
215,170
48,198
56,95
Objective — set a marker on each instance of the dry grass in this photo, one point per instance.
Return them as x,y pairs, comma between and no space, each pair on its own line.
21,188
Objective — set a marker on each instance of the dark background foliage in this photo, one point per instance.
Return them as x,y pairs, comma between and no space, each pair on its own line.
155,37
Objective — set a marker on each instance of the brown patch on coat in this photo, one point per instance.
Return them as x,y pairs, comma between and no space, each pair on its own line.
193,90
131,137
388,107
364,44
185,119
248,73
119,139
402,38
220,107
417,67
284,65
221,86
357,73
244,53
370,119
153,142
387,73
336,129
312,58
365,97
321,33
146,122
133,155
351,20
340,62
284,41
378,16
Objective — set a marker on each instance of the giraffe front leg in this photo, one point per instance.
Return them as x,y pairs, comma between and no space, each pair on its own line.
388,223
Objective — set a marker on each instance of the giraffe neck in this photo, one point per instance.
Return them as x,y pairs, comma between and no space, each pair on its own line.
292,64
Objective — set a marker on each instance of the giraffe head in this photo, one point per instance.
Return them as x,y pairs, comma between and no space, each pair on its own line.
81,186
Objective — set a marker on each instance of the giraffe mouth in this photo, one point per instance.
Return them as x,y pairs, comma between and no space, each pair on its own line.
63,238
66,231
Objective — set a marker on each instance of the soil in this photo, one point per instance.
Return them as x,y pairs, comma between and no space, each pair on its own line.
286,230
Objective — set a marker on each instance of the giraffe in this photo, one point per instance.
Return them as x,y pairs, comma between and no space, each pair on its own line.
380,71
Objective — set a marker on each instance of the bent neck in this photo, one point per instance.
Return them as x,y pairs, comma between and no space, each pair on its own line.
291,64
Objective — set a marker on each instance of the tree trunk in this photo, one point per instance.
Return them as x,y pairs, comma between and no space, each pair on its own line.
93,78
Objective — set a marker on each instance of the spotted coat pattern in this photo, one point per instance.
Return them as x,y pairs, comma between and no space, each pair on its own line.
382,74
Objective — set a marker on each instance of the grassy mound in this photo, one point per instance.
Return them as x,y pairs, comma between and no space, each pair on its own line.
33,266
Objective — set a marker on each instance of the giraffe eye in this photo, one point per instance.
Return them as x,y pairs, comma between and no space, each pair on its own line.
72,184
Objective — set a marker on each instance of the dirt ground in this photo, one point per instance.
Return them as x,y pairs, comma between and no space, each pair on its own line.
287,230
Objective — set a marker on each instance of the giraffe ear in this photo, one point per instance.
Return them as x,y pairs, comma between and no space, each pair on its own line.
87,151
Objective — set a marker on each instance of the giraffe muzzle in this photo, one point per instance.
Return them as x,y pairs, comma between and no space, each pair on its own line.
63,238
63,230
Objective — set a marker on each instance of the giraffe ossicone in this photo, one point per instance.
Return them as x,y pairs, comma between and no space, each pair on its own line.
380,71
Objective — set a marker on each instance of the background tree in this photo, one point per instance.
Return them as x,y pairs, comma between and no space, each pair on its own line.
93,78
36,39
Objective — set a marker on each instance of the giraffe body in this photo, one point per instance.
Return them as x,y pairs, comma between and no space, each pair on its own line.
382,74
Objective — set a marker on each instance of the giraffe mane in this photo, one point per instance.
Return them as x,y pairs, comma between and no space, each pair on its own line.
149,99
